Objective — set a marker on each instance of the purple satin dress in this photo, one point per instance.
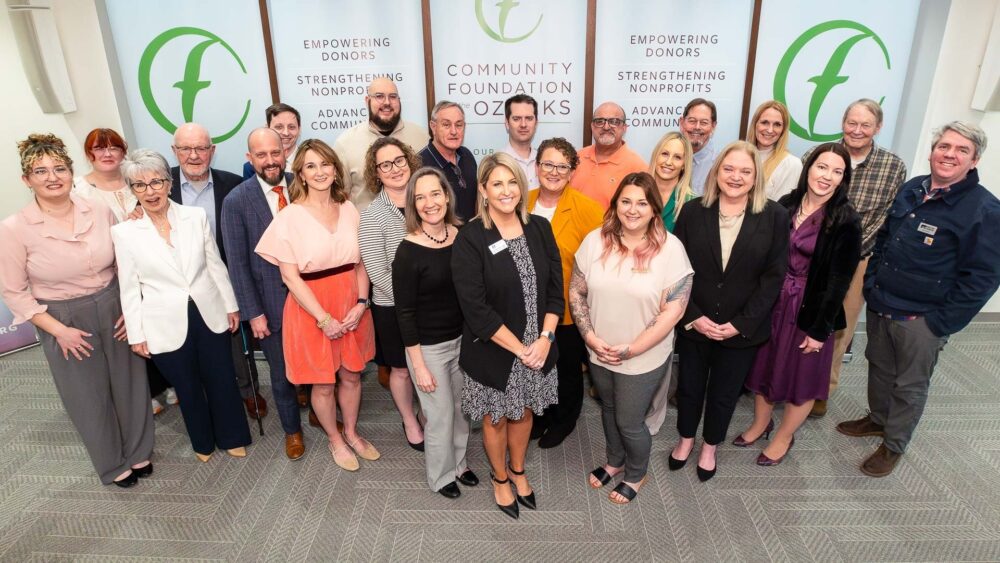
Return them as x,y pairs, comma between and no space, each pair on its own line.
781,372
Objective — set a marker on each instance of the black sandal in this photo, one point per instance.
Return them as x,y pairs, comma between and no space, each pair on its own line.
601,475
527,500
626,491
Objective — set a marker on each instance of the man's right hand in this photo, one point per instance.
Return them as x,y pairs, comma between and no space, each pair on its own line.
258,326
135,214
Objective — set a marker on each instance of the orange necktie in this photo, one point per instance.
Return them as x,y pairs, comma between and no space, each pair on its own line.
282,202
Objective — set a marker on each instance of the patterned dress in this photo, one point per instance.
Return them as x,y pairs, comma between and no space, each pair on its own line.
526,388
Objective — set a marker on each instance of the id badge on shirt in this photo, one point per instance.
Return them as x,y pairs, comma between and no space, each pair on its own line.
498,247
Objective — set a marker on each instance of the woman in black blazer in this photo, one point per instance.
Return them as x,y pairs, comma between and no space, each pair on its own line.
823,251
737,241
508,278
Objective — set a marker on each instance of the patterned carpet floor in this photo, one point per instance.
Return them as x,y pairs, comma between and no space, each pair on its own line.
941,504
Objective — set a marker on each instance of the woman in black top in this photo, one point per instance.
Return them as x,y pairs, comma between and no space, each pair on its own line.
508,277
430,323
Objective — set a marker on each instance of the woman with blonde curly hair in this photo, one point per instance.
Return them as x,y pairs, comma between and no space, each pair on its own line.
57,270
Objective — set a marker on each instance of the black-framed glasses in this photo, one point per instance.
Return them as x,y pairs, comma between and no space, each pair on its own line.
612,121
156,184
386,166
548,167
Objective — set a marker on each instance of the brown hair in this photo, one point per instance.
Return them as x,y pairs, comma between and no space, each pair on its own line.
757,195
563,146
274,109
298,190
372,181
412,217
103,137
39,145
656,233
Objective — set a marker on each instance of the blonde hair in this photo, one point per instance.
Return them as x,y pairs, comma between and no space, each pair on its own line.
39,145
299,190
486,168
757,196
683,187
780,150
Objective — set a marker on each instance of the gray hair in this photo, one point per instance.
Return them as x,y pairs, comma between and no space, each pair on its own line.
870,105
142,161
443,105
968,130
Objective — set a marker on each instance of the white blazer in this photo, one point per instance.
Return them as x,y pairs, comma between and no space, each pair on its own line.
155,286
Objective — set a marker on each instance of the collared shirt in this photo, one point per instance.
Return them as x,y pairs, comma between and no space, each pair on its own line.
527,164
462,177
40,260
599,180
874,185
701,163
271,196
204,199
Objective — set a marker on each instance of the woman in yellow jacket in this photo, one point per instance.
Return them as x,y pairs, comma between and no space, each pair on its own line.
572,216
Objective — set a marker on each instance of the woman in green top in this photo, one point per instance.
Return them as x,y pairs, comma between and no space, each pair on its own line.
671,166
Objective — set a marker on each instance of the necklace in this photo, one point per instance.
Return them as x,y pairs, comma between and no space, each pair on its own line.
442,241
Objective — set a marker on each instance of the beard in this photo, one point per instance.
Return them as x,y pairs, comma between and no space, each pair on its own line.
272,179
384,125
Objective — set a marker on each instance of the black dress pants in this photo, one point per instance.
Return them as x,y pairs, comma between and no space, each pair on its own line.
710,377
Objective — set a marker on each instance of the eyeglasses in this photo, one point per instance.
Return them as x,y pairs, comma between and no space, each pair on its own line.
113,151
189,150
43,173
548,167
381,98
386,166
695,122
612,121
156,184
866,127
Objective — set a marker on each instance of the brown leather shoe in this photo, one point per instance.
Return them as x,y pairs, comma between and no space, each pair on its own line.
861,427
818,410
383,376
314,421
294,447
302,395
258,409
880,463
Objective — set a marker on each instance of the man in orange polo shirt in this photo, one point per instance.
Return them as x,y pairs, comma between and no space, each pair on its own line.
604,163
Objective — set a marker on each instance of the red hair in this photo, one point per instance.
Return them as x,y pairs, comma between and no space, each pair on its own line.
103,137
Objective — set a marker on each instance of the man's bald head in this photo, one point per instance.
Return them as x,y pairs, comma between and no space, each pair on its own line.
266,155
194,151
384,107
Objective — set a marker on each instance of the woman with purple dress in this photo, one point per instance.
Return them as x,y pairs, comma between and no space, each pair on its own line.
824,249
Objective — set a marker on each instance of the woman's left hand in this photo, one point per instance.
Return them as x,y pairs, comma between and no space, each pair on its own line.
120,334
535,354
234,321
726,331
353,317
809,346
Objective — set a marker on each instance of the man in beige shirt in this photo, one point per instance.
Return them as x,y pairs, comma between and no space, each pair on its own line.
384,120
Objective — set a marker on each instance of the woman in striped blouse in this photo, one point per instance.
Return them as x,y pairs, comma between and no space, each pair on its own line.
388,165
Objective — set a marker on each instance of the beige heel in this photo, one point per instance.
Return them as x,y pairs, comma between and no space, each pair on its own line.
237,452
203,457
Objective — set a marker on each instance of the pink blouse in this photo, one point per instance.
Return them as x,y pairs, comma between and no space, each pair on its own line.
39,260
296,237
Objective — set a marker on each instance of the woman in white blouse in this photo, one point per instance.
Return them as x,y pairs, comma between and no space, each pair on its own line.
768,131
105,149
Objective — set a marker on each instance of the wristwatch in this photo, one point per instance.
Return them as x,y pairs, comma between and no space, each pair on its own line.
365,301
551,336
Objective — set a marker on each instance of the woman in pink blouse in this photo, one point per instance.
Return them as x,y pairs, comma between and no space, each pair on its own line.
327,334
57,269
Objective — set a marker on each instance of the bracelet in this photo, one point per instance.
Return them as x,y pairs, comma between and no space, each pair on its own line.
326,320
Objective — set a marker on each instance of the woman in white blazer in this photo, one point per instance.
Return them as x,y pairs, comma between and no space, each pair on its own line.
178,303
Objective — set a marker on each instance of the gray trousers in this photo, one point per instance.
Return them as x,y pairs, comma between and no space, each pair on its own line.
446,434
106,395
901,358
657,412
624,402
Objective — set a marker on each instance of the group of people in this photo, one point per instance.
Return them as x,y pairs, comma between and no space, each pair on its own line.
486,289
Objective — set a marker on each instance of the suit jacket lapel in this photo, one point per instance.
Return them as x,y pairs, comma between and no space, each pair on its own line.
259,203
184,242
711,216
155,243
562,215
175,185
751,222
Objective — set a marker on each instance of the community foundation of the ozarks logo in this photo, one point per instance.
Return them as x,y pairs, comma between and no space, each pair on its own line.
505,24
192,74
830,65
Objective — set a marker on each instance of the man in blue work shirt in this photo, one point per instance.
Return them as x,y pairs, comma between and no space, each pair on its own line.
935,264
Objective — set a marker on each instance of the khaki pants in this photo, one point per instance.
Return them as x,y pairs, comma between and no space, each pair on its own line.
853,302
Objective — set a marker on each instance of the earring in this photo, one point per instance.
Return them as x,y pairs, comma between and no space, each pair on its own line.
486,202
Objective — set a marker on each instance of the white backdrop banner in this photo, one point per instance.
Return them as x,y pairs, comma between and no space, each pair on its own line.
326,55
818,58
192,61
655,56
487,51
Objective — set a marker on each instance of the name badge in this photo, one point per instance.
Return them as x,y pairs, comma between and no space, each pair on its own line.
498,247
926,229
928,241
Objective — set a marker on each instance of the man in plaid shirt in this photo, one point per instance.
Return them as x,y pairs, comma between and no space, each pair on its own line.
876,175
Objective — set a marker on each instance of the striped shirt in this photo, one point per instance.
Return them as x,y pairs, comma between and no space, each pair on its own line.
874,185
382,229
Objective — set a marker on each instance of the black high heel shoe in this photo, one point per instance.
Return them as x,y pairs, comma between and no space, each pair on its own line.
741,442
527,500
706,474
419,446
674,464
127,482
144,471
508,509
